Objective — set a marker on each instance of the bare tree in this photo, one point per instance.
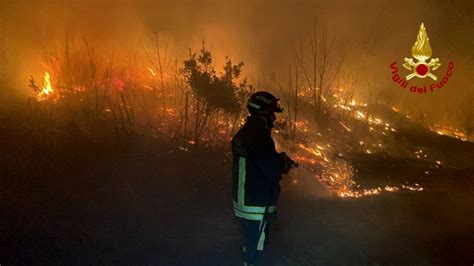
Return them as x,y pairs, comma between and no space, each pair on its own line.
160,62
370,103
93,72
322,65
351,83
290,98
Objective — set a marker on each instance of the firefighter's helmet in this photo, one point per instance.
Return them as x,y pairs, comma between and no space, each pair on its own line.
263,103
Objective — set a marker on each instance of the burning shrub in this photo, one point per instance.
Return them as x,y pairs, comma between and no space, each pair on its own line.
215,96
219,92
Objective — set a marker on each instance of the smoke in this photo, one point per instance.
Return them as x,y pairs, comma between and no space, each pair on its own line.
304,183
368,34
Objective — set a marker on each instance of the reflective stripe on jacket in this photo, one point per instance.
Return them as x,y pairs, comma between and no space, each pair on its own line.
257,169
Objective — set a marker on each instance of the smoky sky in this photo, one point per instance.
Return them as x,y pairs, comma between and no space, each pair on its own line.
369,35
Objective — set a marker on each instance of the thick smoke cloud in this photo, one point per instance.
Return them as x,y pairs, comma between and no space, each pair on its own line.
369,35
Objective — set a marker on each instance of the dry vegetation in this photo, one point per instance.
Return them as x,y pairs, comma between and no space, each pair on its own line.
108,144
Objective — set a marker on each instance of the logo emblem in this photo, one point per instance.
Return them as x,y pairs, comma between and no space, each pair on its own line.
421,66
421,51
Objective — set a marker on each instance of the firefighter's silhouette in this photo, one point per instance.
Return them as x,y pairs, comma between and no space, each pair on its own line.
257,170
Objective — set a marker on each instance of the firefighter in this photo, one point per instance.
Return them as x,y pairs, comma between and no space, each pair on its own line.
257,170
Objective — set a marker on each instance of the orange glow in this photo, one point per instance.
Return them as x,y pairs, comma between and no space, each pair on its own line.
47,92
448,131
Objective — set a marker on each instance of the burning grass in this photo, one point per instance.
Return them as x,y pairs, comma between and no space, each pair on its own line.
166,104
448,131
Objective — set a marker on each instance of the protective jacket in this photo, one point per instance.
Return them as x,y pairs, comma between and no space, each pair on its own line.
257,169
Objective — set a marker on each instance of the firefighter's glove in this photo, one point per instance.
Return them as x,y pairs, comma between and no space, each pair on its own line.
287,163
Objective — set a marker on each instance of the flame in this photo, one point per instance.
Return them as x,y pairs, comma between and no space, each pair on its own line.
317,157
338,174
378,190
345,127
360,115
152,72
119,84
421,50
449,131
47,91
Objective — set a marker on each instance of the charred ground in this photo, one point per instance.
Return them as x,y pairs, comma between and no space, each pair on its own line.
77,199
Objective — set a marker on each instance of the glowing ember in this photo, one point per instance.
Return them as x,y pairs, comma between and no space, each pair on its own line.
302,125
413,188
391,189
119,85
378,190
171,111
360,115
152,72
345,127
448,131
